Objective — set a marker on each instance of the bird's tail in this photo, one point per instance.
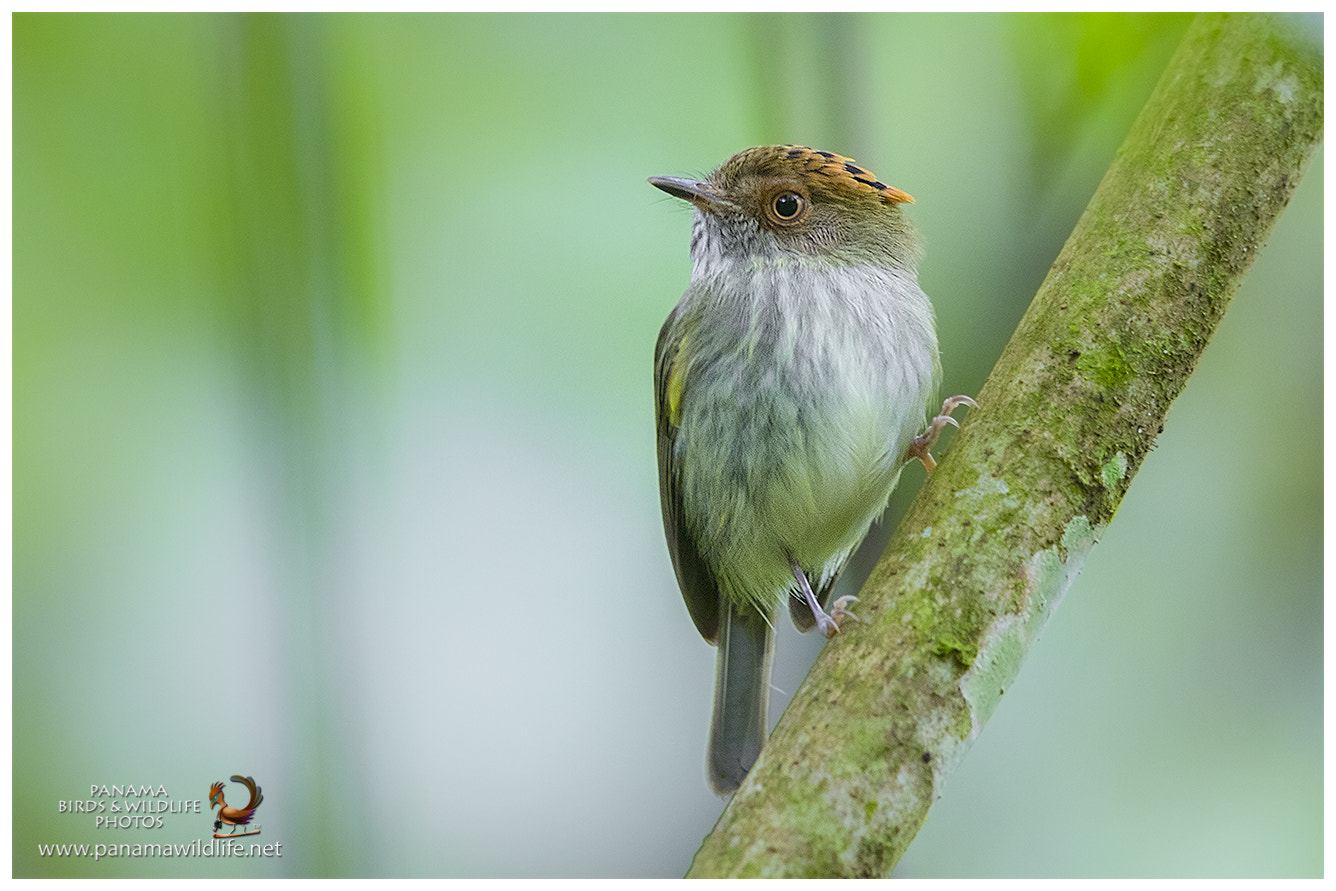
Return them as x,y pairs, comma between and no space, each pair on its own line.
255,795
741,692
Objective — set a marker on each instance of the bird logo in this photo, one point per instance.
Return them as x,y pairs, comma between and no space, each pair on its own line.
235,816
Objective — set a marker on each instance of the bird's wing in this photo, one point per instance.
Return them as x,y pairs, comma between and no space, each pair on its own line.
236,816
699,587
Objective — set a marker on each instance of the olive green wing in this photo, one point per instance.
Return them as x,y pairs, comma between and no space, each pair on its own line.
699,587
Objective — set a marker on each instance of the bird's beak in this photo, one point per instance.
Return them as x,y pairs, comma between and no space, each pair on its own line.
702,195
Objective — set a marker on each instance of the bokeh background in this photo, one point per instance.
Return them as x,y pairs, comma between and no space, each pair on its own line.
333,441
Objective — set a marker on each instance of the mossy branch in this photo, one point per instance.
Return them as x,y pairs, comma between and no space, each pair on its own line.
1071,409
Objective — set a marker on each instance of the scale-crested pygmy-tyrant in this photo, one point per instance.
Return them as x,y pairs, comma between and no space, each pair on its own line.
789,382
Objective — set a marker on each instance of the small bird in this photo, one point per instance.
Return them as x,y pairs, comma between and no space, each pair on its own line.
233,816
789,382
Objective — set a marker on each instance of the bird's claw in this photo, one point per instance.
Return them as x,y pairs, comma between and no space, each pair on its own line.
829,623
838,609
922,444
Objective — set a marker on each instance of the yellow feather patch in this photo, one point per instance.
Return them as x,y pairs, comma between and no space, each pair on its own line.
677,372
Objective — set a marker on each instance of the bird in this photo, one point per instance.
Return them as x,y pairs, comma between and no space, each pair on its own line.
233,816
791,384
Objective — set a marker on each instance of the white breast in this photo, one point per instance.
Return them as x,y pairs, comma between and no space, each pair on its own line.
816,378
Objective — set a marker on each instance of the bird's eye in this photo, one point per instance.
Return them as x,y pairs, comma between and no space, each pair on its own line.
787,206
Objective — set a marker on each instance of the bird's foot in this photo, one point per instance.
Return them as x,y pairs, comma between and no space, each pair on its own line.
827,622
922,445
839,611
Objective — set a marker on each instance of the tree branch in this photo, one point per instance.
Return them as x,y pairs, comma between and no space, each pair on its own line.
1071,409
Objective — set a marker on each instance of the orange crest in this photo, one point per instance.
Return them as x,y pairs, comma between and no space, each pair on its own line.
835,172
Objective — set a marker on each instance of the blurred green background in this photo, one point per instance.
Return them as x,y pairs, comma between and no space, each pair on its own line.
334,461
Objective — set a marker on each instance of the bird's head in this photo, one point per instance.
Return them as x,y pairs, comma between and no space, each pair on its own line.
789,200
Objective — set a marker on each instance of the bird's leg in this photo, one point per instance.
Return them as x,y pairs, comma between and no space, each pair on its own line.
922,444
829,623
